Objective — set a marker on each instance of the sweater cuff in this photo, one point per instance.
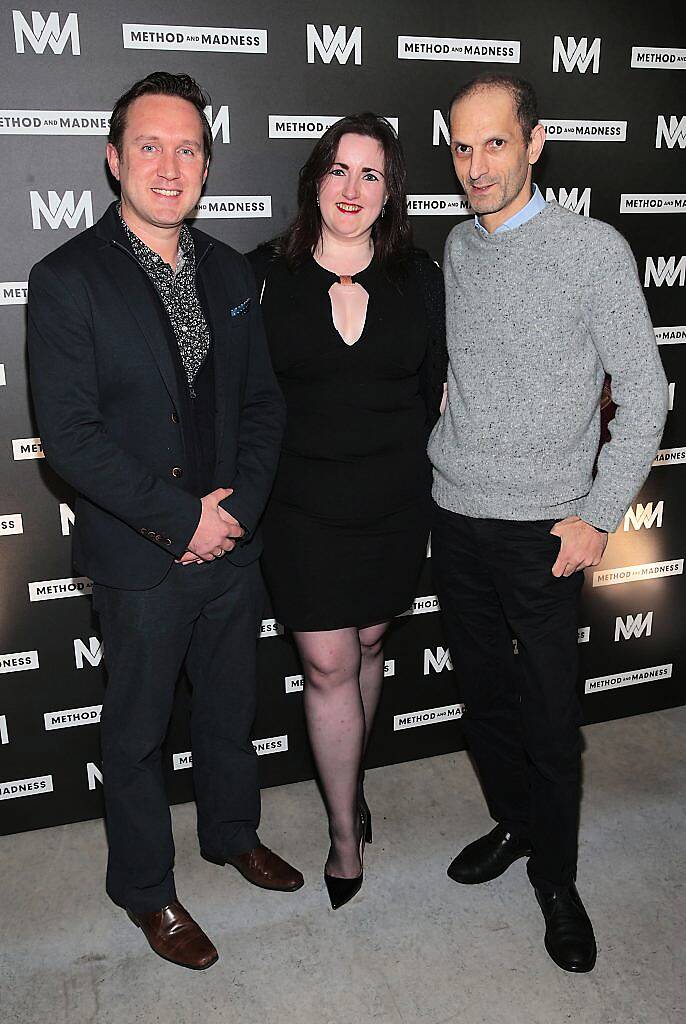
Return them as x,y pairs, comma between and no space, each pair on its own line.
601,515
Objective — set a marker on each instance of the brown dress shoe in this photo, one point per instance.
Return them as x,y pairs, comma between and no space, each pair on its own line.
264,868
174,935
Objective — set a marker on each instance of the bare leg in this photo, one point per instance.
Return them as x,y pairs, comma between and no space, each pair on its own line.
371,672
336,727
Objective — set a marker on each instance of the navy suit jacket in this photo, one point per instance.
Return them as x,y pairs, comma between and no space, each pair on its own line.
106,394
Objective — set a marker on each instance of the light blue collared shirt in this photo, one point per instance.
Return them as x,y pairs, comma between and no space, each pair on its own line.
534,206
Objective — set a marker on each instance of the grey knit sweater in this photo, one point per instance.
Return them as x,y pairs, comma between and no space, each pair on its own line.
535,317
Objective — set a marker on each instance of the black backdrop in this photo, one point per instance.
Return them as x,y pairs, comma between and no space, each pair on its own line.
611,83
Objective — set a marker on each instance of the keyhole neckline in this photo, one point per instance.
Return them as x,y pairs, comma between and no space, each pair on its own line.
345,279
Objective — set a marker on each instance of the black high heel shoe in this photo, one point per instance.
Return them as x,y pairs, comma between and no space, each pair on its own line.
364,809
342,890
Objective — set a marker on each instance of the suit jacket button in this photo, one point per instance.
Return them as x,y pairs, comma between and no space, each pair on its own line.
167,540
143,531
175,417
177,472
158,537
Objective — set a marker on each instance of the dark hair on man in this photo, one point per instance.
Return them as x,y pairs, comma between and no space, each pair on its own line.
391,233
161,83
522,93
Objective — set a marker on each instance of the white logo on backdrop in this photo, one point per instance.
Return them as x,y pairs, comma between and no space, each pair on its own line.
336,44
54,122
270,627
72,717
92,651
422,606
576,56
666,271
644,516
60,209
441,131
572,130
219,122
93,774
583,634
11,524
636,573
14,293
670,457
233,207
633,626
571,199
4,734
67,519
639,675
438,205
306,126
27,448
20,661
672,57
194,37
497,51
270,745
672,134
294,684
44,32
431,716
51,590
671,335
438,661
3,376
653,202
26,787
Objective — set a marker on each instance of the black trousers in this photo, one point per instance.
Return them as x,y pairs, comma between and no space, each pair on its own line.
522,711
207,615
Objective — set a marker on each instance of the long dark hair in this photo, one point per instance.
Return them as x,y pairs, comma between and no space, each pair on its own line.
391,234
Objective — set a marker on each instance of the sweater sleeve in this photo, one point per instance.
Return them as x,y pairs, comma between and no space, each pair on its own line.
623,335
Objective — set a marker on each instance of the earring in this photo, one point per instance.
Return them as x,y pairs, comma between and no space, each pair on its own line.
317,198
383,209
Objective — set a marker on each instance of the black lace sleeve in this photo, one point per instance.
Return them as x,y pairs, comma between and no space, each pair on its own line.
434,370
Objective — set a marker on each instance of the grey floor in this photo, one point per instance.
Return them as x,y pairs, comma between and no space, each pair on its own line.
412,947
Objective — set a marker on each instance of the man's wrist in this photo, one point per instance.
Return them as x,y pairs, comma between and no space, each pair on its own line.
598,529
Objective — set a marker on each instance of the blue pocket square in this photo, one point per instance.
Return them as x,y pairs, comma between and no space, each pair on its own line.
241,308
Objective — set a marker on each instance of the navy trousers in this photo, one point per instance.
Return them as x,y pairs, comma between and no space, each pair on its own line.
207,616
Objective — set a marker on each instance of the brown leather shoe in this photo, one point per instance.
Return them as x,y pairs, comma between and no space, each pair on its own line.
175,936
266,869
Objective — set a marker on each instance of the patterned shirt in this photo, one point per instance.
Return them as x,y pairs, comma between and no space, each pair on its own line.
179,296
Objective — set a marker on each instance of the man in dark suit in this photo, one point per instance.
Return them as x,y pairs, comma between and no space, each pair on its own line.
156,401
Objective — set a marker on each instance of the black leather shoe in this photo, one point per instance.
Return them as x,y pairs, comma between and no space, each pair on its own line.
488,857
569,936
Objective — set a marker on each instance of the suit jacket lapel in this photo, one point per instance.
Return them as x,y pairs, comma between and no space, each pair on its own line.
138,294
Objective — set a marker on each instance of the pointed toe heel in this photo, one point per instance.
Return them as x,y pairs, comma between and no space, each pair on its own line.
342,890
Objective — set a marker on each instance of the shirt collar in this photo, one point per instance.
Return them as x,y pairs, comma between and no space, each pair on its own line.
152,258
534,206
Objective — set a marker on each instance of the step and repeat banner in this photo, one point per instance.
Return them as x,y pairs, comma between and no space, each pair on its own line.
611,83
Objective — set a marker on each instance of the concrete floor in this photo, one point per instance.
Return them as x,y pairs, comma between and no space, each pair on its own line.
412,948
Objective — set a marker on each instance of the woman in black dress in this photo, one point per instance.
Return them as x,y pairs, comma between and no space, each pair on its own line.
355,324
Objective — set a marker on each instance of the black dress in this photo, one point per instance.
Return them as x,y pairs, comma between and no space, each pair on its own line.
346,528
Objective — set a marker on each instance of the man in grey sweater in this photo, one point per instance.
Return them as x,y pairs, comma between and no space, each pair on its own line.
541,304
